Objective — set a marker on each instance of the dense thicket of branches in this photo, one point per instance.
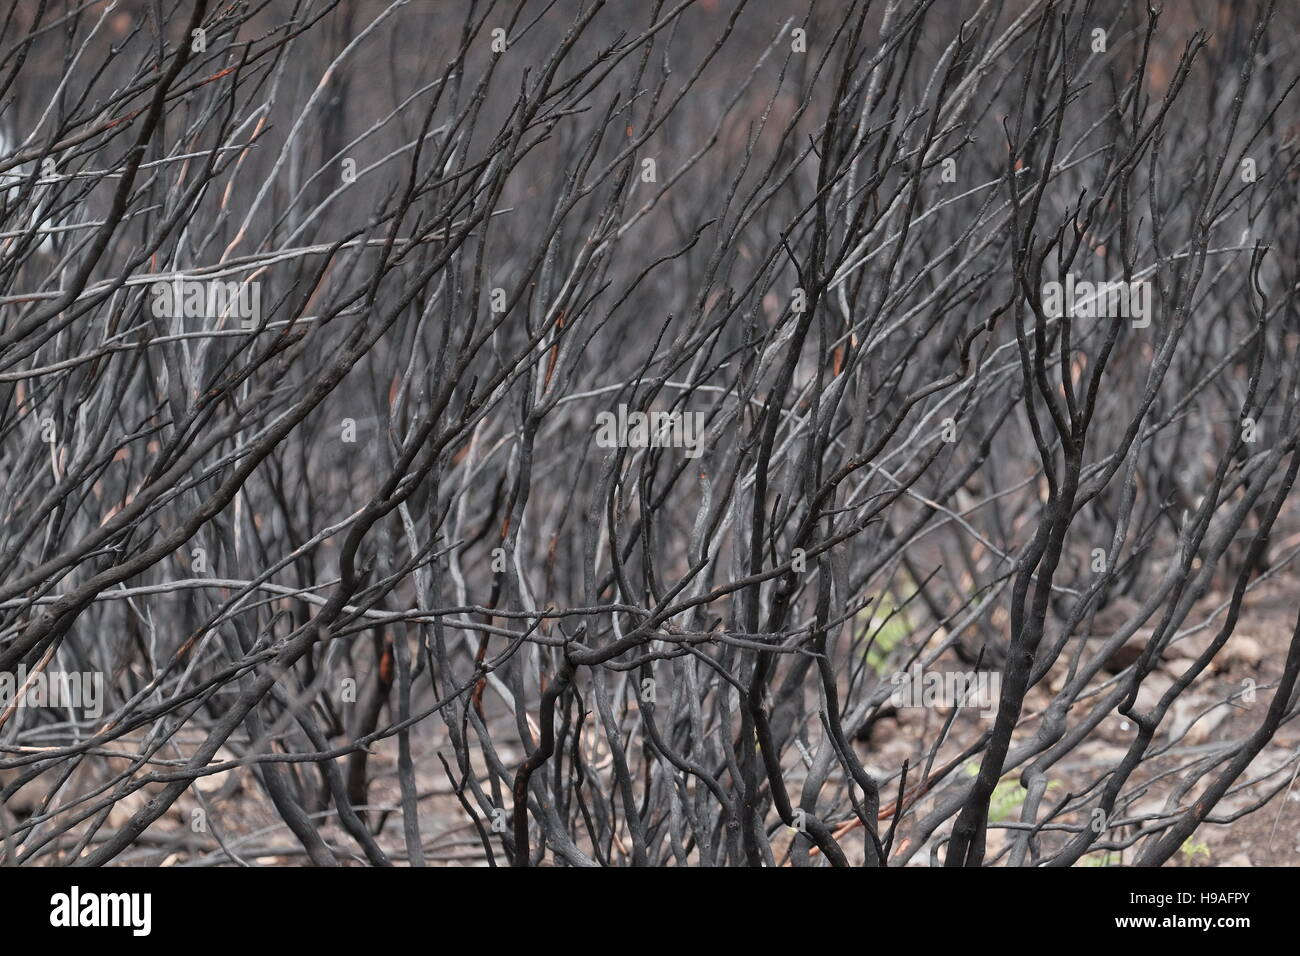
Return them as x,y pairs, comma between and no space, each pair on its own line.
360,564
